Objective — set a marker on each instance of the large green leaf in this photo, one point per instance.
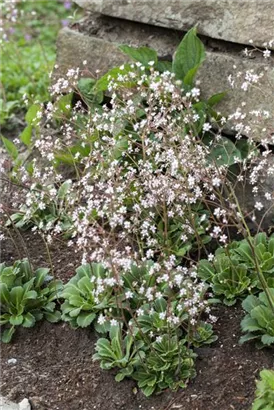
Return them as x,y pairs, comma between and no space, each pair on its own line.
40,276
163,66
31,115
262,315
188,57
4,294
250,325
29,320
16,320
25,136
215,99
7,335
222,151
142,54
64,189
16,296
267,340
10,147
52,317
113,74
85,319
205,270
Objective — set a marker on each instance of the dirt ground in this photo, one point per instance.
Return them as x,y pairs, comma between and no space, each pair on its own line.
55,371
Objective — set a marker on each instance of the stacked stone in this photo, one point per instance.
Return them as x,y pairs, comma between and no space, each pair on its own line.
226,27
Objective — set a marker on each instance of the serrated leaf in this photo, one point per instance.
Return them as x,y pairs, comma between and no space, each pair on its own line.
247,337
52,317
16,320
249,325
85,319
148,390
29,320
250,303
7,335
267,340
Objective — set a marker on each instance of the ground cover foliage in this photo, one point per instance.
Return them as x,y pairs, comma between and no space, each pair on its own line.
139,176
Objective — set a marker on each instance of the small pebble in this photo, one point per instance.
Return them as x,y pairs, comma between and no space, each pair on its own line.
24,405
12,361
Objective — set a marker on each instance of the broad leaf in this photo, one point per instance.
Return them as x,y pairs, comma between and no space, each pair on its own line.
25,136
144,55
10,147
85,319
188,57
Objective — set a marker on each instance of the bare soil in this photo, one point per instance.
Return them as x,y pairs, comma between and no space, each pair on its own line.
55,371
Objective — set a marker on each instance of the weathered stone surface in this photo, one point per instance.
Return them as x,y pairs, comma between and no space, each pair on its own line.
237,21
6,404
74,47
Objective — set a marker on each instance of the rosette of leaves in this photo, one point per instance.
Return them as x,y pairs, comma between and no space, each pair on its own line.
154,318
257,252
134,278
201,334
227,277
174,240
168,364
121,351
258,324
45,219
265,391
82,302
26,297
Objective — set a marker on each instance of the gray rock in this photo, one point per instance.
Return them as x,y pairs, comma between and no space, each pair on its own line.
74,47
6,404
236,21
24,405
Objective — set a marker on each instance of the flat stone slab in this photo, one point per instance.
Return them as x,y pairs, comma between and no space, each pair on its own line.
236,21
6,404
74,47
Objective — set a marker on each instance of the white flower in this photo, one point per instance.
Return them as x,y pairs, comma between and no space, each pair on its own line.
259,206
206,126
129,294
216,181
267,53
101,319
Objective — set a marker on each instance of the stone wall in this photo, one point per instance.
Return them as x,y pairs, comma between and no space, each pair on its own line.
225,26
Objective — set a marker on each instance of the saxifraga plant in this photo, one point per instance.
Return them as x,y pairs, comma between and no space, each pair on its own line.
150,183
258,324
265,391
26,296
